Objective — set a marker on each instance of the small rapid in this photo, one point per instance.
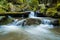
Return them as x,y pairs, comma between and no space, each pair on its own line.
42,31
32,15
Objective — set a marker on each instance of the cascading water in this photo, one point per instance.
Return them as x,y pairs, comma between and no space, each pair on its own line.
20,22
32,14
39,32
46,21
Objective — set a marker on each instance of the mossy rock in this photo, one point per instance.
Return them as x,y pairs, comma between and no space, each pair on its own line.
32,21
5,21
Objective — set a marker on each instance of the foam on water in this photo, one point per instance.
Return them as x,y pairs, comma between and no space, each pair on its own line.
17,24
32,15
40,28
8,28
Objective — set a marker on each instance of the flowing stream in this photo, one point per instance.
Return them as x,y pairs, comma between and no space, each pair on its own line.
16,31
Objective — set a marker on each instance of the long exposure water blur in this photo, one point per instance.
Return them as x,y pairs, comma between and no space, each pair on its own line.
44,31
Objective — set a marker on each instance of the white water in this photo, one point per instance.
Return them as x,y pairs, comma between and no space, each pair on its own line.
38,32
32,15
17,24
46,21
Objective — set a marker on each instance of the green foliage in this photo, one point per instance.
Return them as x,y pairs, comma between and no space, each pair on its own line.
58,6
3,5
26,4
51,11
34,4
42,8
1,10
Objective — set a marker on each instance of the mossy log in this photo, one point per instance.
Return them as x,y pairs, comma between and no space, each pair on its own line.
5,13
15,14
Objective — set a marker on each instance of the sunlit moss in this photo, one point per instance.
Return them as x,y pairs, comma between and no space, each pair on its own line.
51,11
27,5
2,10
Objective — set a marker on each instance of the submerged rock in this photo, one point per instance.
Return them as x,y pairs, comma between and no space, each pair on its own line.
31,21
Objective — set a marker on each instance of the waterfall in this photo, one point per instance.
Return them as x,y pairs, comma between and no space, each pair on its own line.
44,21
20,22
32,14
16,24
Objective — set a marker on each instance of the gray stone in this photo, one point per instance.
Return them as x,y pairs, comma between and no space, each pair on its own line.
31,21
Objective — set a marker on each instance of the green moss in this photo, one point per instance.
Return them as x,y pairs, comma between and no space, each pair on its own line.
51,11
6,21
1,10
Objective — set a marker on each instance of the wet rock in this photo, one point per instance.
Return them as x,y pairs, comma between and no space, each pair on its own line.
55,22
32,21
4,20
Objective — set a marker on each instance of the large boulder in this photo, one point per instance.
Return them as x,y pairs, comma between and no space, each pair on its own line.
31,21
